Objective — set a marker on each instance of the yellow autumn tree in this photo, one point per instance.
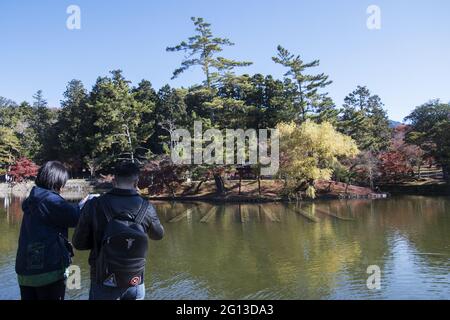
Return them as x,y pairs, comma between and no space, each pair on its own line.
9,148
309,151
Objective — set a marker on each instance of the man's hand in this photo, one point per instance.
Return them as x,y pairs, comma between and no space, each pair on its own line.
87,198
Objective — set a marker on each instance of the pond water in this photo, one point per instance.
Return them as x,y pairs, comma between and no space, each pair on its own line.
281,251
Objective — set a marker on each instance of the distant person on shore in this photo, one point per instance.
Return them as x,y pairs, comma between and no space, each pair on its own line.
115,227
44,252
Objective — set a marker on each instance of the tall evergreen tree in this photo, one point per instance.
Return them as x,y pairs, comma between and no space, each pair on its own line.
43,115
170,112
430,130
365,120
146,95
202,49
117,116
326,111
305,96
40,122
9,115
73,125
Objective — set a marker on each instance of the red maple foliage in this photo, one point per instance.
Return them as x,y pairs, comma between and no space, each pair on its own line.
394,165
161,174
23,169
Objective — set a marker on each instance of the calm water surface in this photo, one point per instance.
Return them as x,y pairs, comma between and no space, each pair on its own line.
281,251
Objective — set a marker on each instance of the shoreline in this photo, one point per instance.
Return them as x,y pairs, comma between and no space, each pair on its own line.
434,189
74,189
237,199
213,198
77,189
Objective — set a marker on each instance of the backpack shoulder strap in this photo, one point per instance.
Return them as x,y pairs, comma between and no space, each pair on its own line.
105,208
142,211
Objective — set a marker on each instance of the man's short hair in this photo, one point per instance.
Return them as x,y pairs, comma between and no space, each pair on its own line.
52,176
127,171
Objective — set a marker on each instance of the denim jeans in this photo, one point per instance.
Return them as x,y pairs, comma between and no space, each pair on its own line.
101,292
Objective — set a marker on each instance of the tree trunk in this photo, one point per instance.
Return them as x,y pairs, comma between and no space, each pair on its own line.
371,179
197,189
92,172
240,183
220,185
259,185
329,186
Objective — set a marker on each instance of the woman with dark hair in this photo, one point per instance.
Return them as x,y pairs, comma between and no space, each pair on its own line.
44,252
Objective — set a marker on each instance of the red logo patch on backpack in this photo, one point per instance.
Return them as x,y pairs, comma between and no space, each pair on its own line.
135,281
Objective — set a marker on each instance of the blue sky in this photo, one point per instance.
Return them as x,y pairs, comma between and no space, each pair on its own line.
406,63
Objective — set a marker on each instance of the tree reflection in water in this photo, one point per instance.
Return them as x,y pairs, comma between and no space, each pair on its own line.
290,251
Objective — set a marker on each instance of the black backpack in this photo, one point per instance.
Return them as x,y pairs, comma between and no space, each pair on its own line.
122,255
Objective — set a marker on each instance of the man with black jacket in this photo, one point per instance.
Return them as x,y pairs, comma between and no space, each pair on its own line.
125,204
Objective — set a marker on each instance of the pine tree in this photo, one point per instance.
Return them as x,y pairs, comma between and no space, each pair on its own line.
9,115
430,130
41,121
326,110
116,116
365,120
73,125
202,49
305,95
43,115
147,97
170,107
